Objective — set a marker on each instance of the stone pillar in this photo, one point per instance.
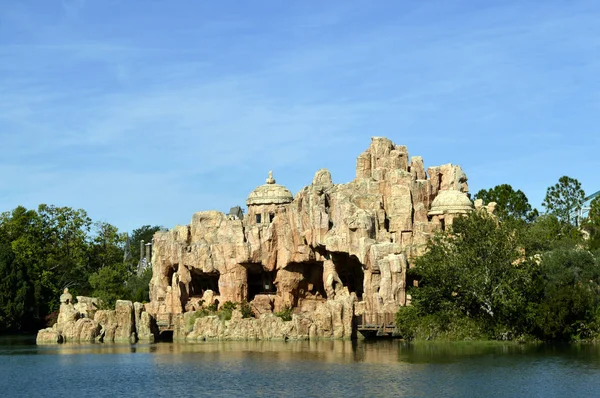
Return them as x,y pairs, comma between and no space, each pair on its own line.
331,279
363,165
148,252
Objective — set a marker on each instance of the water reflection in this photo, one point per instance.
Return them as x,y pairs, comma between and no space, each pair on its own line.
272,351
302,368
380,352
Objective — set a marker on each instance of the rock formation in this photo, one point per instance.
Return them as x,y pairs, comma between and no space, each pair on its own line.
84,322
331,253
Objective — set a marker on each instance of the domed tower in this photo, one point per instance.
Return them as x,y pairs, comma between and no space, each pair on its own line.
447,205
266,201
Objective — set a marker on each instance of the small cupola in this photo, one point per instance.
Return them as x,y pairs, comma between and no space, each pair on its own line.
270,193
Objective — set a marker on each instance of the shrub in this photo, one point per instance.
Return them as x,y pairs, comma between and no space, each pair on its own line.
229,306
285,314
246,310
226,310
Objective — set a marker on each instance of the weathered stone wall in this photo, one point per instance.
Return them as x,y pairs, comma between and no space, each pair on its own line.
362,235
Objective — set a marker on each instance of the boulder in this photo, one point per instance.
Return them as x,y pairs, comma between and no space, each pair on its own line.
125,317
49,336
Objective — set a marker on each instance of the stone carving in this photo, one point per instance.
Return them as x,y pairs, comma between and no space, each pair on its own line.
332,252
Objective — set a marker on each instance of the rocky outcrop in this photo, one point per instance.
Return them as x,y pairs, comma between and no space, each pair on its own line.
118,325
325,320
84,322
333,254
327,243
145,325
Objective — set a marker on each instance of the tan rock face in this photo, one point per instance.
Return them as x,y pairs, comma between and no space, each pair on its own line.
83,322
329,319
125,318
315,252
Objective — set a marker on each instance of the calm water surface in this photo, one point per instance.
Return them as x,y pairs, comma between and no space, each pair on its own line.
318,369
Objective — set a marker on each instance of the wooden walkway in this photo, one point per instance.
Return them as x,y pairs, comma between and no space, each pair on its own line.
377,325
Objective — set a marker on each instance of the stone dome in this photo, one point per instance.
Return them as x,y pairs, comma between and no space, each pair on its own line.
451,202
269,193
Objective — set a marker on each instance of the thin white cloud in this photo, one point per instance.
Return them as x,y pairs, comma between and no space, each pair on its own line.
200,120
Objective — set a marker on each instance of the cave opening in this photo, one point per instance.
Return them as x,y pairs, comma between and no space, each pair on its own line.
170,272
260,281
166,336
311,284
203,281
350,271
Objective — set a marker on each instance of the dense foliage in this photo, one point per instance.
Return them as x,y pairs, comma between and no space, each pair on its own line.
592,224
564,199
495,278
46,250
509,203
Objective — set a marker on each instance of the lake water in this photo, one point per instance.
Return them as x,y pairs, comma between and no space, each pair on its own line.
317,369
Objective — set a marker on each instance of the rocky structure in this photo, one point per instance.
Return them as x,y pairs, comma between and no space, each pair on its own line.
84,322
332,253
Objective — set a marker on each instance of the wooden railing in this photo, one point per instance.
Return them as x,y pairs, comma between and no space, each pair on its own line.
381,319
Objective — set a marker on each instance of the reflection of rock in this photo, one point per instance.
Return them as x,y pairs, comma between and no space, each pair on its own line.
313,251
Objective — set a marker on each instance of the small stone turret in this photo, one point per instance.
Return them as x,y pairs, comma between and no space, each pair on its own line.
264,201
447,205
269,193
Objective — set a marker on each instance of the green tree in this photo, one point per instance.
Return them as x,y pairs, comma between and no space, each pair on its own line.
15,292
107,246
509,203
145,233
138,286
569,295
44,251
547,233
564,199
21,291
63,235
476,271
108,283
592,224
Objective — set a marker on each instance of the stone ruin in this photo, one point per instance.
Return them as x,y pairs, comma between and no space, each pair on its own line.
332,253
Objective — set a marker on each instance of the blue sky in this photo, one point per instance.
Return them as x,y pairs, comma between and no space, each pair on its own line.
144,112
